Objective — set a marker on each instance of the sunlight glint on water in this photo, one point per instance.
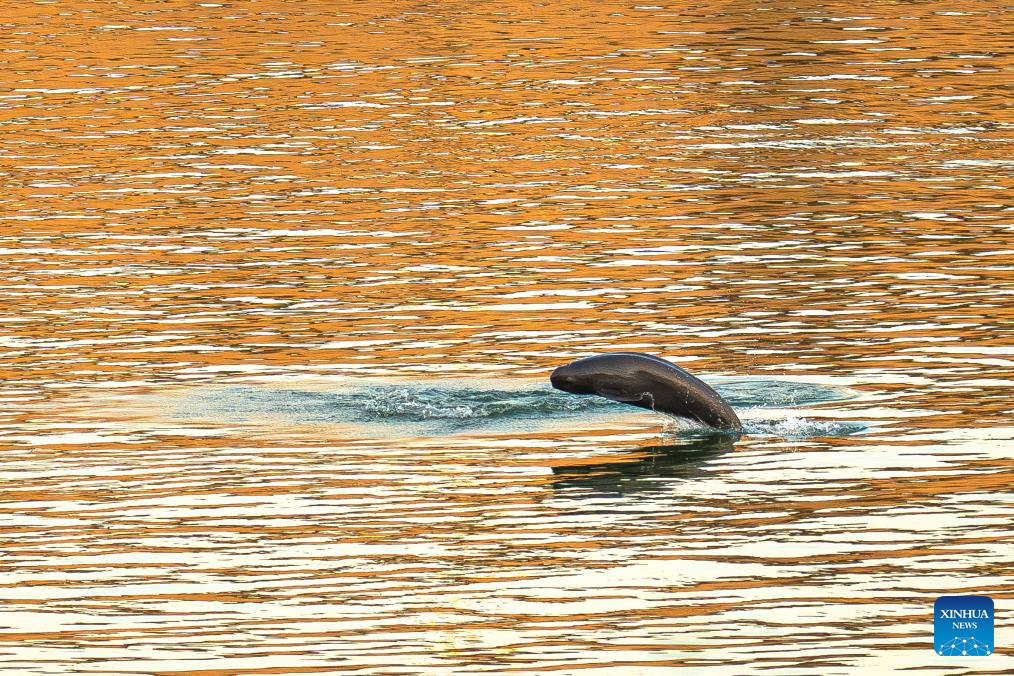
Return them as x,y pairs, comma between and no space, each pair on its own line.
283,283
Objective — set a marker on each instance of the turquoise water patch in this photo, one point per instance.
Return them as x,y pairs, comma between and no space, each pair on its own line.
429,409
778,393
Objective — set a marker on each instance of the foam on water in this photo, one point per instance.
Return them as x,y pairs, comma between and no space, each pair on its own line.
797,427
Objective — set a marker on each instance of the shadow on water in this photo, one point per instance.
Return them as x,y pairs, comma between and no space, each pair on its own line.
654,471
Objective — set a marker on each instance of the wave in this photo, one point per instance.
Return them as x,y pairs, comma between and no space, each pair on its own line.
399,403
456,406
796,427
431,403
763,393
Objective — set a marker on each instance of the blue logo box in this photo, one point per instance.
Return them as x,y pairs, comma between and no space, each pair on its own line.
963,626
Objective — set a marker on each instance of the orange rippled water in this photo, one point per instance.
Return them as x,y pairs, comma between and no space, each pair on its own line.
283,281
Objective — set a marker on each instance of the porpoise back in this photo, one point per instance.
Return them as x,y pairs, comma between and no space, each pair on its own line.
647,381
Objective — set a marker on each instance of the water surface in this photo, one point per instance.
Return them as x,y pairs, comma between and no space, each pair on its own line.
283,283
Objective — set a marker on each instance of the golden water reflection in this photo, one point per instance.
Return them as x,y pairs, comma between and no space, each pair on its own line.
212,204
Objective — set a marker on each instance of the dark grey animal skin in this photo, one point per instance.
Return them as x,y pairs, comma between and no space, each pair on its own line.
649,382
